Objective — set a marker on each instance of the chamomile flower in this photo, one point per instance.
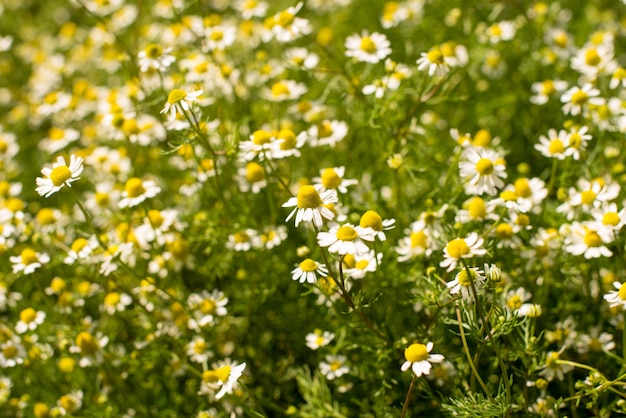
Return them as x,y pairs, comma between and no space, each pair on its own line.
115,302
286,26
577,100
553,369
464,280
482,170
334,366
155,57
371,219
206,308
319,338
136,191
609,216
180,101
346,239
198,350
499,31
310,205
222,378
618,78
90,348
30,319
308,270
459,248
219,37
434,62
283,90
368,48
419,359
356,266
28,261
588,239
617,298
327,132
61,174
545,90
554,145
333,178
417,242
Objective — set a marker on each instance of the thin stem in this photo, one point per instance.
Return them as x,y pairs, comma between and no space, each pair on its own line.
555,163
405,408
469,356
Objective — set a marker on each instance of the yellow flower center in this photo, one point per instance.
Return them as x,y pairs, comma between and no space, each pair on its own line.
28,315
153,51
10,351
547,87
464,279
308,265
587,197
484,167
575,140
591,57
372,220
254,172
622,292
495,30
241,237
289,139
482,138
368,45
79,244
261,137
217,35
285,18
112,299
362,264
476,208
28,256
87,343
592,239
504,231
418,239
330,179
551,360
522,188
208,306
102,199
155,217
448,49
508,196
309,198
199,347
222,373
522,220
457,248
514,302
556,146
134,187
176,96
347,233
610,218
579,98
57,284
435,56
349,261
60,175
325,129
280,89
416,352
45,216
179,248
210,376
56,134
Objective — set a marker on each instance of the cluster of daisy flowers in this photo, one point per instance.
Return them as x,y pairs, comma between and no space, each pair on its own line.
187,190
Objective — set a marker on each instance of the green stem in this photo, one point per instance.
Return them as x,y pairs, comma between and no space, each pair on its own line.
405,408
469,356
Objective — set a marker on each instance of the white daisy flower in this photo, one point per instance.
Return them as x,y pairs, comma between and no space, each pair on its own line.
287,26
463,281
198,350
30,319
59,175
617,298
308,270
371,219
155,57
368,48
310,205
28,261
419,359
180,101
482,170
333,178
434,62
318,339
577,99
222,377
460,248
588,239
554,145
136,191
334,366
346,239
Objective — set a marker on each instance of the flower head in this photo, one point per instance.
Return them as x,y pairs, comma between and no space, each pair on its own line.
308,270
419,359
368,48
460,248
482,170
346,239
179,101
59,175
310,205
